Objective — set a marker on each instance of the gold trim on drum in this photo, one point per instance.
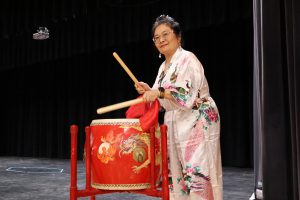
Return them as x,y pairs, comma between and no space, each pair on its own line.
115,122
139,186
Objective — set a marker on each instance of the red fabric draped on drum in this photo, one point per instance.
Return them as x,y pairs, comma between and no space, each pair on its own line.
146,112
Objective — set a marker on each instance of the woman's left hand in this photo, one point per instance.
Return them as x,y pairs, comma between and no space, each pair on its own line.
150,96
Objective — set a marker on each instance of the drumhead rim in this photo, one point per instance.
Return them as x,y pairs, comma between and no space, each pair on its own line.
114,121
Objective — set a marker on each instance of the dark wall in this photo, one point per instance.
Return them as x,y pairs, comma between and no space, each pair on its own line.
49,85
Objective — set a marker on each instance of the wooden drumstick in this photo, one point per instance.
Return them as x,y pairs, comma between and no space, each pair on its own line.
125,68
119,105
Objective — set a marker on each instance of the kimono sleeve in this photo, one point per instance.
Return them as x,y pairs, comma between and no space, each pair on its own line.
186,81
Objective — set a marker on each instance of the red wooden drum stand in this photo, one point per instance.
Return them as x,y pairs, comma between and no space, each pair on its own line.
89,191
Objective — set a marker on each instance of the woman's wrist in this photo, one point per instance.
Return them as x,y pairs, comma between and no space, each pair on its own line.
161,91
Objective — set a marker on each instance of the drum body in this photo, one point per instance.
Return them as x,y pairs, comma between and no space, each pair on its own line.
120,155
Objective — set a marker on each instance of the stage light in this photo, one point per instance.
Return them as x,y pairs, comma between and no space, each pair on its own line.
41,34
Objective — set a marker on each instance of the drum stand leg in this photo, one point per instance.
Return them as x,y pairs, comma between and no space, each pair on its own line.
91,192
165,175
73,178
88,161
152,191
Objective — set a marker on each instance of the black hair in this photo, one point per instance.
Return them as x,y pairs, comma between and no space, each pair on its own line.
169,21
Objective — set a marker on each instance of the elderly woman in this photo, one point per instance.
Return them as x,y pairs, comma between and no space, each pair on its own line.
191,116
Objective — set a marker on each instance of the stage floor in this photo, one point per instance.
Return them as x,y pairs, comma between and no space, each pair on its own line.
36,179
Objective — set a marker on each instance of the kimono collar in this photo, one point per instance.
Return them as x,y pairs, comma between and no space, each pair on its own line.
176,54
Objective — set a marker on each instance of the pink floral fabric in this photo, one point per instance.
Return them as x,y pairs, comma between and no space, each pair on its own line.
193,130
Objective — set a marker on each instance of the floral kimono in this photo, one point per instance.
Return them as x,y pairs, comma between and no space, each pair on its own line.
193,130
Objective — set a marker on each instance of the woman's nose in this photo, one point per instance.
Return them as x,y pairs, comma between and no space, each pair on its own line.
161,39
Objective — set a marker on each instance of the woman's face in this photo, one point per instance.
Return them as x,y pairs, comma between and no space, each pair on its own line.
165,40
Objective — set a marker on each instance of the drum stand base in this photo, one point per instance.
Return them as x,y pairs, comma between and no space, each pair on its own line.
92,192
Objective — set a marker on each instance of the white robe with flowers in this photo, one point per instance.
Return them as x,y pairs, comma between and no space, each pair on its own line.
193,130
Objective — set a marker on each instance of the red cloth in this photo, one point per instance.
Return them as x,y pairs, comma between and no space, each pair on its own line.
146,112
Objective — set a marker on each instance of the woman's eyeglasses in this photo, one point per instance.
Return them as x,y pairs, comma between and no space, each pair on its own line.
164,35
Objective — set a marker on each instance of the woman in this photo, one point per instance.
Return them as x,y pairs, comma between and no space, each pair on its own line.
191,116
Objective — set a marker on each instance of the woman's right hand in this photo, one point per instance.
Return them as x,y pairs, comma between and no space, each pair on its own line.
142,87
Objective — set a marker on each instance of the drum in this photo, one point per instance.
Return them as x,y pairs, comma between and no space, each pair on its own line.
120,155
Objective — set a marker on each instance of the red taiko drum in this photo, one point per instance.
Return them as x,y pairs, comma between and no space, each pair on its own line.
120,154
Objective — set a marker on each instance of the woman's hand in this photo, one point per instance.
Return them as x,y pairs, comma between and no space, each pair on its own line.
142,87
151,95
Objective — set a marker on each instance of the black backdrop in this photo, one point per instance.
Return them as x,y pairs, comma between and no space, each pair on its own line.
276,97
48,85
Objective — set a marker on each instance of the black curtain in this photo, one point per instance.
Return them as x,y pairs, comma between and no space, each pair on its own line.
277,55
82,26
49,85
